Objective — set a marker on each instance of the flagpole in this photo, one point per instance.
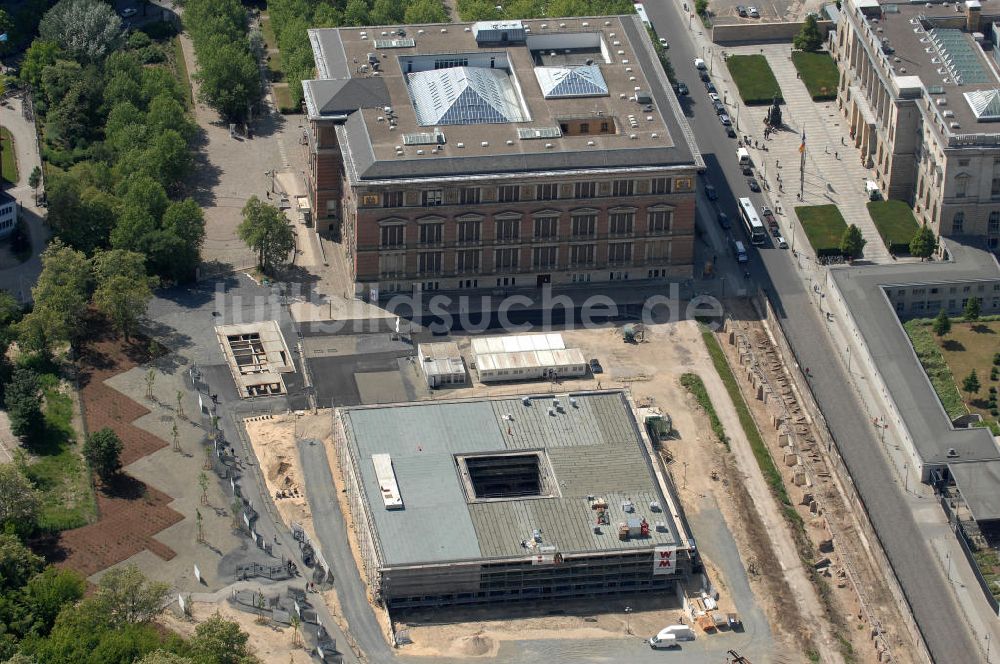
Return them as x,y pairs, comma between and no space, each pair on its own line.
802,166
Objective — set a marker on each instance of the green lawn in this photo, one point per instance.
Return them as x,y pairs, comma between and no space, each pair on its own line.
270,41
818,72
754,78
59,470
181,72
283,98
895,223
824,226
9,164
696,386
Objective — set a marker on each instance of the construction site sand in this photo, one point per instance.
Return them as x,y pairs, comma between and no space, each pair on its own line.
273,440
272,643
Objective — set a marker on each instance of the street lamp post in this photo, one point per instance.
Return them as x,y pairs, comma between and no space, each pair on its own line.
628,624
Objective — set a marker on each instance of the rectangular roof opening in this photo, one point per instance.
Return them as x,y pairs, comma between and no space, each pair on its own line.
512,476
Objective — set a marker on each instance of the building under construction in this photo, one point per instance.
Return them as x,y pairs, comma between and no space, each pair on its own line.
504,499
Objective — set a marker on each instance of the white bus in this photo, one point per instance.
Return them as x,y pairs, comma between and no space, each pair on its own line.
641,11
751,222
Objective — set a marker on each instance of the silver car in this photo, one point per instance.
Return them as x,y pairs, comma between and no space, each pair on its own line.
753,12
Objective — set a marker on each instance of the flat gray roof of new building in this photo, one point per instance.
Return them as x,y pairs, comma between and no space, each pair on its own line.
594,449
663,141
978,483
863,289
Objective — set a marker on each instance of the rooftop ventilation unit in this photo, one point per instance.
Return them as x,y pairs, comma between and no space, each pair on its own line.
408,42
530,133
424,138
952,453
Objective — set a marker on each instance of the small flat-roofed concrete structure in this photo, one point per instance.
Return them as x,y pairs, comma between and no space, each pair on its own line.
526,357
257,356
506,499
441,364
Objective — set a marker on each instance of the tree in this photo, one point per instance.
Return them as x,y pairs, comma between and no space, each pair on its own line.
425,11
61,296
17,564
47,593
296,623
88,30
39,55
701,7
223,642
229,80
203,483
852,243
129,597
774,118
923,243
34,180
103,452
19,501
22,398
970,385
809,39
356,13
942,324
389,12
971,311
266,230
164,657
123,289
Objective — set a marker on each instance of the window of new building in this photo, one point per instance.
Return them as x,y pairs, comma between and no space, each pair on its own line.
619,252
659,186
391,265
392,199
392,235
505,259
544,257
621,222
660,220
958,223
623,187
546,192
431,197
993,223
431,233
546,228
468,260
582,254
508,230
470,196
429,262
448,63
469,231
585,225
585,190
509,193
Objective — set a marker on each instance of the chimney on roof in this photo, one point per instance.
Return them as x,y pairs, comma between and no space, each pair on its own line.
972,15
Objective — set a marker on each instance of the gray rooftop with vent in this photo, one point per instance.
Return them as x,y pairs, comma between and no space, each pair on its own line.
594,448
491,92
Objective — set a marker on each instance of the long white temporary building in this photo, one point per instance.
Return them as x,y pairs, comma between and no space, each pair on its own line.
526,357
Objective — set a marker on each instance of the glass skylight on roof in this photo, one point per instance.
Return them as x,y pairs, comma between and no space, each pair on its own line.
582,81
960,55
464,95
985,104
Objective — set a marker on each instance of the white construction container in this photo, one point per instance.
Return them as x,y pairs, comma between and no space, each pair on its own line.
526,357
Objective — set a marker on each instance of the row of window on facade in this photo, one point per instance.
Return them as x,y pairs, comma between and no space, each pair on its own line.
549,191
392,233
992,223
951,306
510,259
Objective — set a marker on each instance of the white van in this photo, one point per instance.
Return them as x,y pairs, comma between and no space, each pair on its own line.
670,636
700,64
740,251
871,188
743,156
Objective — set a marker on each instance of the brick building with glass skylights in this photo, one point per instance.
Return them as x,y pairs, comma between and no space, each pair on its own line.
513,154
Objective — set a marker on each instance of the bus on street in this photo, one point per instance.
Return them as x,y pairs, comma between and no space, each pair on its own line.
751,222
641,11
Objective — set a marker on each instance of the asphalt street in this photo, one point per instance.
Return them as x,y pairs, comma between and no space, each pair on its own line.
928,592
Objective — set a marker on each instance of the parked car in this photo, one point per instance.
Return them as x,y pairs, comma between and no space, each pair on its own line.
752,12
780,241
711,193
730,132
724,119
709,86
126,13
663,43
713,96
703,75
754,187
719,108
595,366
741,11
682,89
747,169
723,220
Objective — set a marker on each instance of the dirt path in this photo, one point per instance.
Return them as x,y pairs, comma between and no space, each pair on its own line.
782,540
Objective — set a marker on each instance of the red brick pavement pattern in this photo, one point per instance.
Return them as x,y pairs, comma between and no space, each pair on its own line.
130,513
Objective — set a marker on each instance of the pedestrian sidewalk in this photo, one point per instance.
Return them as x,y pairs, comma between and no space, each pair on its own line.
833,172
